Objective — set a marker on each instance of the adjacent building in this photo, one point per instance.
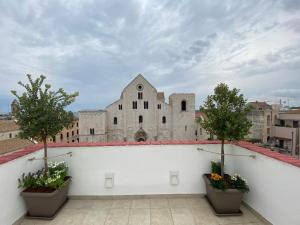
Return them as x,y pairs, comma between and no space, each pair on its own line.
67,135
263,117
141,114
9,140
285,132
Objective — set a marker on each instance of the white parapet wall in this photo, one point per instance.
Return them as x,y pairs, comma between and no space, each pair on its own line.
146,169
11,203
274,187
138,170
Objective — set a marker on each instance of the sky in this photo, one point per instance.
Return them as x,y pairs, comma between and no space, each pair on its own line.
97,47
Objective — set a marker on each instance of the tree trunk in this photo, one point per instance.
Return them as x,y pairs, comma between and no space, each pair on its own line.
222,158
45,156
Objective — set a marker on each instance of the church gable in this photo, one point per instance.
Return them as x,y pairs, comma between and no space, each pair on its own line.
139,83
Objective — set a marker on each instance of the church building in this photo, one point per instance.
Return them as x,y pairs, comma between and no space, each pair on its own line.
141,114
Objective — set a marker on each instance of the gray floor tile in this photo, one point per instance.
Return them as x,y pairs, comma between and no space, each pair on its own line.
139,216
161,217
117,217
159,203
182,216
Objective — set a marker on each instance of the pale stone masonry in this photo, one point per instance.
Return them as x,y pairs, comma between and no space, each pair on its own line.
262,116
141,114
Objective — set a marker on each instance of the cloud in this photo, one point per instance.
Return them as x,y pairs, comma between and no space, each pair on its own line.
97,47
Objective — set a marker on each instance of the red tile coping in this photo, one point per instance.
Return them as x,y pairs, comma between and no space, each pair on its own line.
252,147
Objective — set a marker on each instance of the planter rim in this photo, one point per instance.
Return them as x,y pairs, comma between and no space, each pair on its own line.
218,190
49,194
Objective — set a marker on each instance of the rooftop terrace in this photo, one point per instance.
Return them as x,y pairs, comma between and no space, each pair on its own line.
142,183
144,211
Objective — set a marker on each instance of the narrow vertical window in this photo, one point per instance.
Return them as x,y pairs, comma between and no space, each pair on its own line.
134,105
183,105
61,137
115,120
140,95
146,105
72,132
159,106
185,127
67,134
120,107
140,119
10,135
164,120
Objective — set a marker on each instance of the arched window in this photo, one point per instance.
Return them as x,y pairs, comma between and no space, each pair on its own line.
183,105
164,120
115,120
140,119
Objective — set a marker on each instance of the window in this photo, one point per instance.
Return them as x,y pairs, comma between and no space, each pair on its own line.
77,124
268,120
72,132
164,120
67,134
134,105
140,95
61,137
196,133
183,105
146,105
158,106
92,131
54,139
140,119
120,107
10,135
115,120
200,131
77,131
185,127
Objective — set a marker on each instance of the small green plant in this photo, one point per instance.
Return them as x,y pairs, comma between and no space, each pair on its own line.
239,183
53,179
216,167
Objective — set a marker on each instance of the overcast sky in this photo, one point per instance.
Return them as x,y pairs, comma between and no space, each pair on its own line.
98,47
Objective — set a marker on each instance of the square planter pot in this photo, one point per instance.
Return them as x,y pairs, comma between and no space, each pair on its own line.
45,205
223,202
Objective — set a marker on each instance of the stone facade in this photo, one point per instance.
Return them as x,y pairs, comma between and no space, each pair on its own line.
67,135
141,114
263,117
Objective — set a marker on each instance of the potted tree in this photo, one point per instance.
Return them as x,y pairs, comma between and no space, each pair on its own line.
40,115
226,112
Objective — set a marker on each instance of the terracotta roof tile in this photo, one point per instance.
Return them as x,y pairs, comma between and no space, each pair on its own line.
14,144
8,125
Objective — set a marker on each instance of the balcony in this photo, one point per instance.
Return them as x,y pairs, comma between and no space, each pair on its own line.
142,192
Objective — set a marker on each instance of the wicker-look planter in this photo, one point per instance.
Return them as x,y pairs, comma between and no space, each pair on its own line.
223,202
45,205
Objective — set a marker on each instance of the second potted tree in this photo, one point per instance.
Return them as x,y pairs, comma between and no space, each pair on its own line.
226,112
